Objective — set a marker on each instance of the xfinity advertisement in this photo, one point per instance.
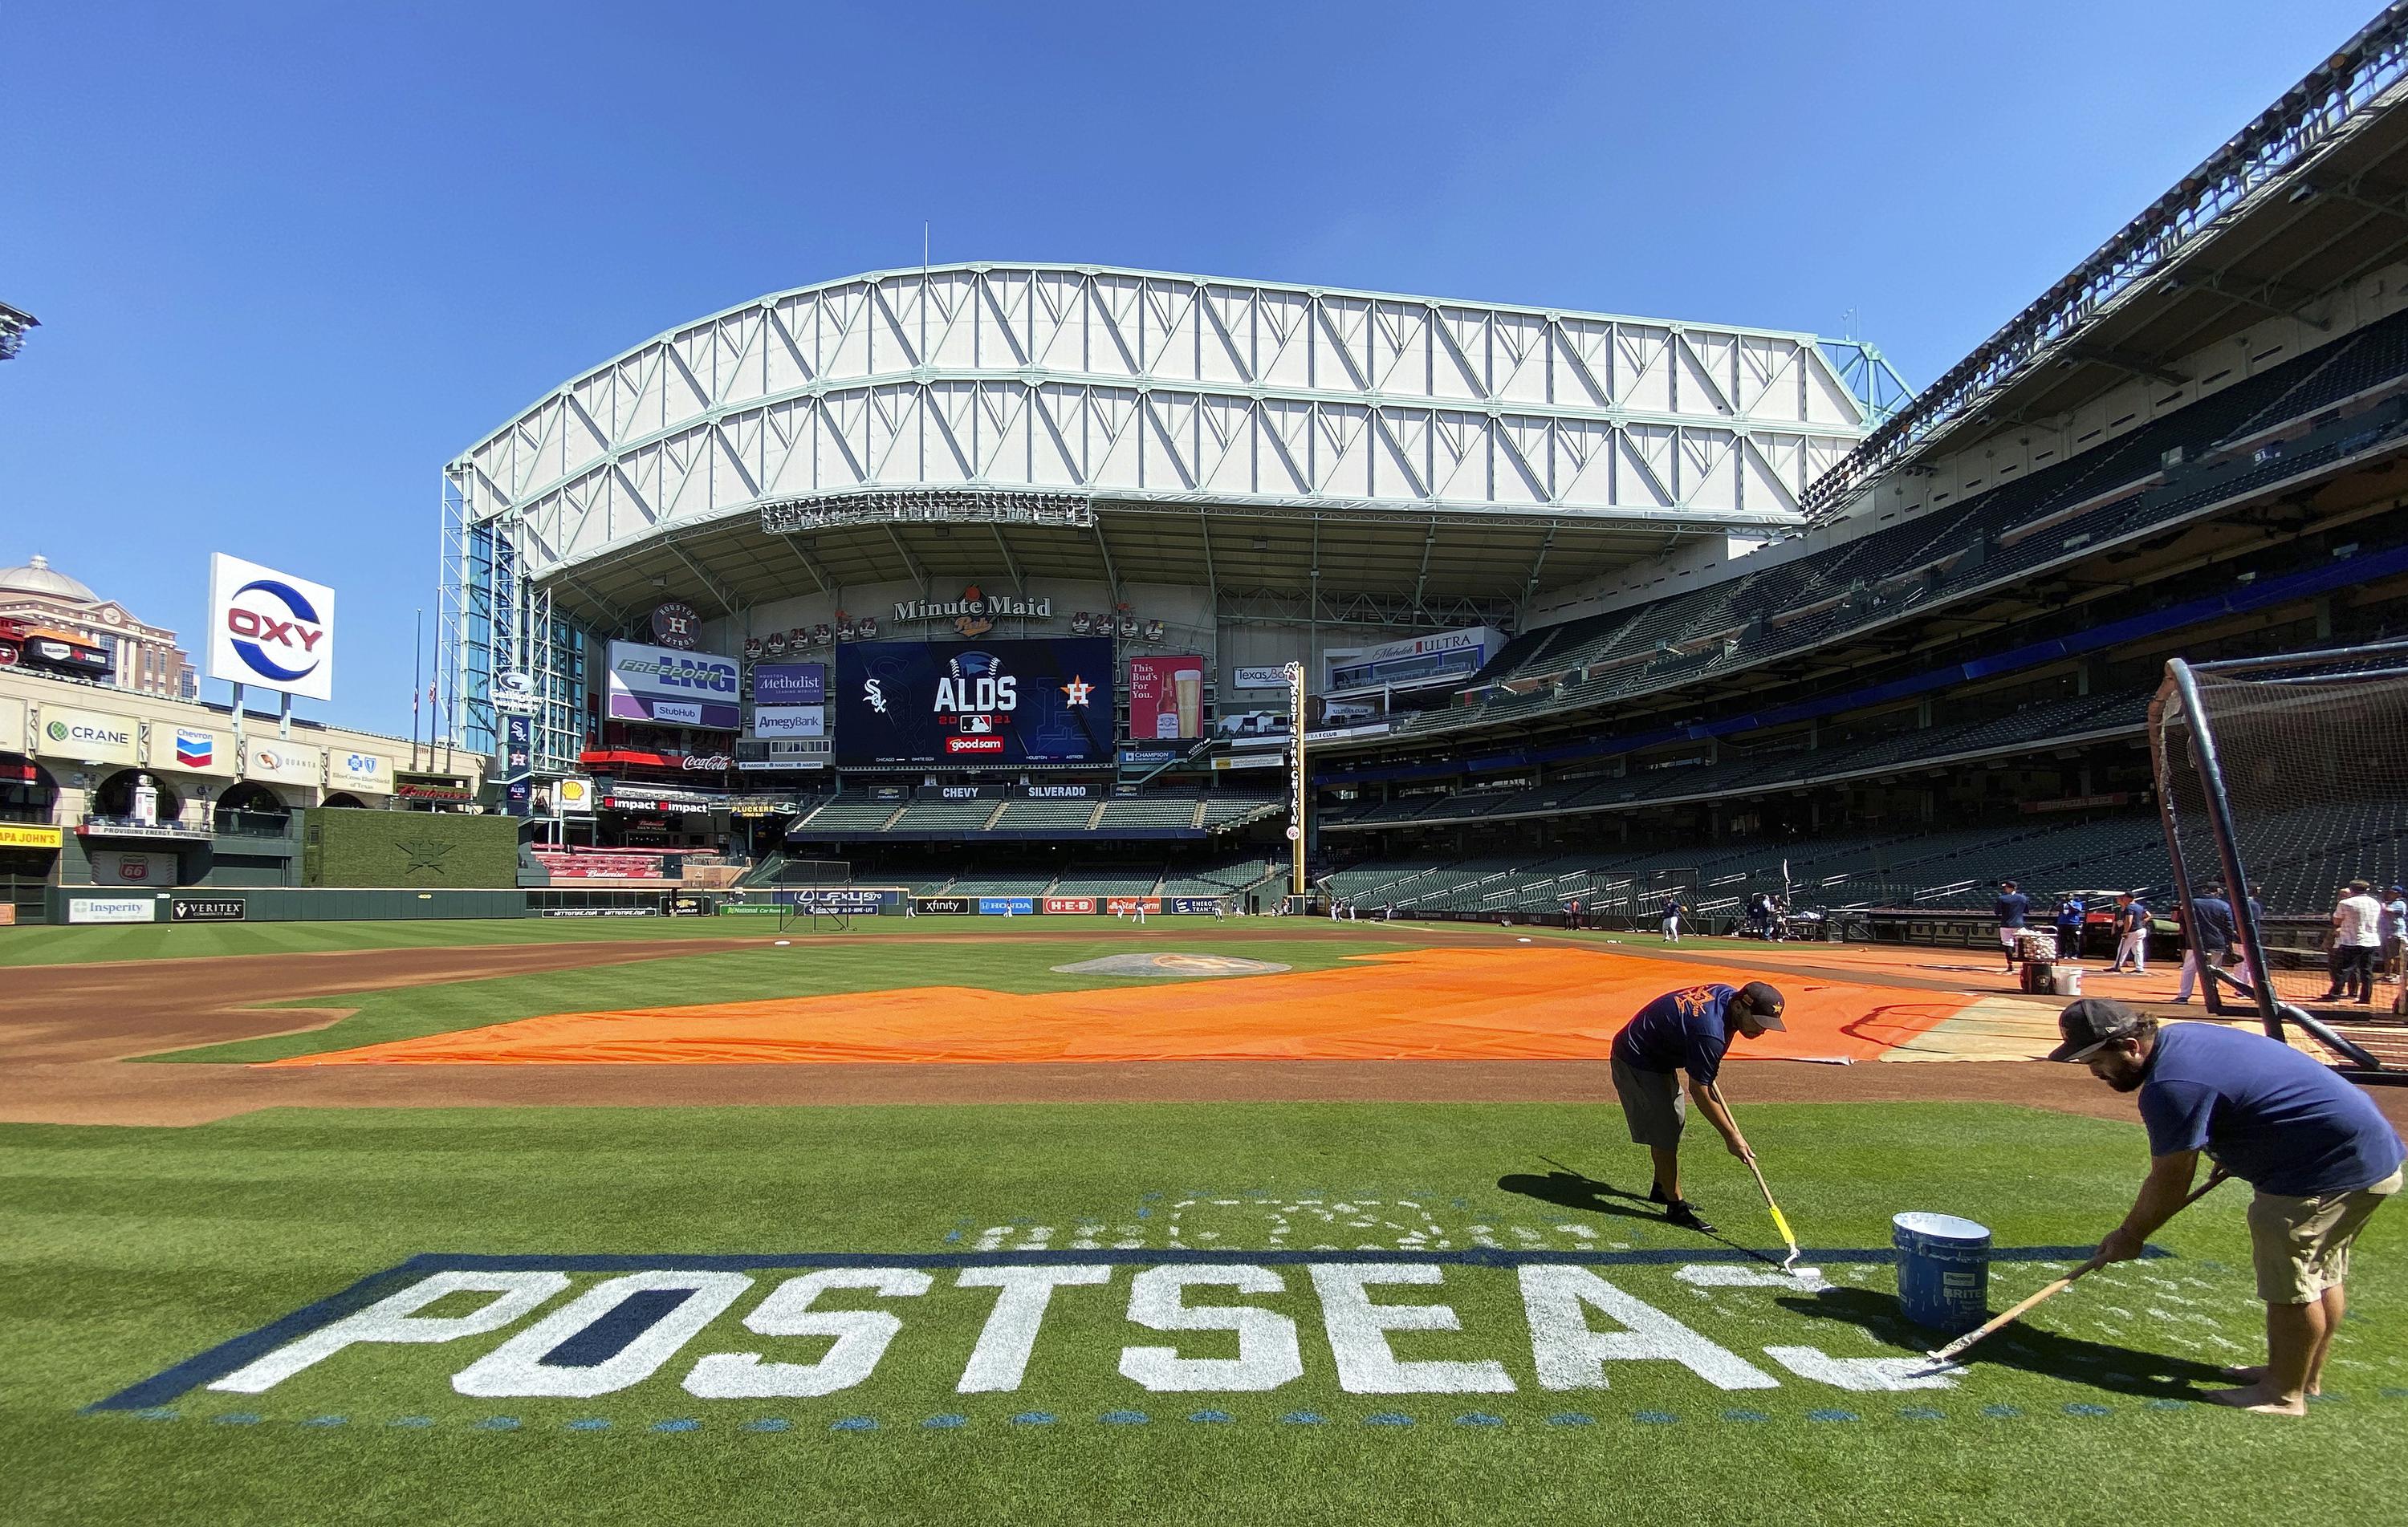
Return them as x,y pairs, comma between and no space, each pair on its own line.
974,702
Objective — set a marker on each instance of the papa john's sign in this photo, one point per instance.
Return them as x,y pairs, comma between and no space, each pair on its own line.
269,630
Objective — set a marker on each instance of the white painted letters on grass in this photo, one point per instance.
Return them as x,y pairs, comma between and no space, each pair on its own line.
1000,1359
1268,1355
1358,1328
861,1337
395,1318
1572,1355
517,1367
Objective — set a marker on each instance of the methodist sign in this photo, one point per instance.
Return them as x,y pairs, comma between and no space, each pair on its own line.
269,630
672,687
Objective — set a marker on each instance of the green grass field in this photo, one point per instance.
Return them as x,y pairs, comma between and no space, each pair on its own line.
125,1251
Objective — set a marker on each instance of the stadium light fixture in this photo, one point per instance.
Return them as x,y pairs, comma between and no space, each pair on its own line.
13,324
931,507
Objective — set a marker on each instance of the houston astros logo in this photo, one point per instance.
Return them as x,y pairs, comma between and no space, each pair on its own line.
269,613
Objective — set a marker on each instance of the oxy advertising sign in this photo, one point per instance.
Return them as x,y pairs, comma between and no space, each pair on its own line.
1165,698
269,630
367,773
672,687
284,763
789,683
790,721
87,737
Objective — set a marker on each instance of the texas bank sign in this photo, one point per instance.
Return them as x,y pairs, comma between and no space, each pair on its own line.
269,630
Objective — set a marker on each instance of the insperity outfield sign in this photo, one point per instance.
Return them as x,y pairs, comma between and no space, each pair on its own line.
1168,1321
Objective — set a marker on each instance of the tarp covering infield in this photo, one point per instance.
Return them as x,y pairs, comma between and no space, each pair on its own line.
1537,1002
636,1317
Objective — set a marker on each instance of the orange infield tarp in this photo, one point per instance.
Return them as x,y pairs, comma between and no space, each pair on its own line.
1541,1002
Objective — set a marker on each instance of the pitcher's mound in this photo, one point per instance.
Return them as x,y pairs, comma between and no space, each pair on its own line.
1171,964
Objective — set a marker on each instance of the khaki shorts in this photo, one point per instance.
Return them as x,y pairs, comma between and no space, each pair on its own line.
1652,1104
2300,1246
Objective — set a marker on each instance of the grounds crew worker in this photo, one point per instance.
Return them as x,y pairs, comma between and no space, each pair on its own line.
1686,1030
2320,1155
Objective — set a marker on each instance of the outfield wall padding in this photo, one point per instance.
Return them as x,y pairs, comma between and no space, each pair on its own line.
431,850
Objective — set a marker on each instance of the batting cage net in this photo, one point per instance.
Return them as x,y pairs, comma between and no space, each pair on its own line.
818,893
2282,783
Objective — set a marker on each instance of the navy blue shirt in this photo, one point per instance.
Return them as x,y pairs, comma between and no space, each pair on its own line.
1680,1031
2011,908
2215,930
2270,1116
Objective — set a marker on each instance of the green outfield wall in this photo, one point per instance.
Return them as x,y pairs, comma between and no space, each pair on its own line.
343,847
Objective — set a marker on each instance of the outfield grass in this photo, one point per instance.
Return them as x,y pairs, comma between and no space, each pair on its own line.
61,946
123,1252
800,969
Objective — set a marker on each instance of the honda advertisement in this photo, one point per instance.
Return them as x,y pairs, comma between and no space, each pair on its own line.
1166,699
672,687
978,702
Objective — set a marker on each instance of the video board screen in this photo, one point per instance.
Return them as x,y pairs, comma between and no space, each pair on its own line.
1035,701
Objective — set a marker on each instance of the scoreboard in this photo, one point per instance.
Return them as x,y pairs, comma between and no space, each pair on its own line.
1031,701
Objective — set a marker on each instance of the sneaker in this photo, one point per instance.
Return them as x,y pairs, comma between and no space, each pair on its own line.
2182,1001
1683,1213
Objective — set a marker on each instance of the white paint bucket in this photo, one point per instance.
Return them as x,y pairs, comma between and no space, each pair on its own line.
2066,980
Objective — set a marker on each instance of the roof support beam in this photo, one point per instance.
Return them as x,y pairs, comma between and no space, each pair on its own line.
718,590
1111,574
1530,586
2266,296
810,565
1430,543
911,563
1011,563
2115,360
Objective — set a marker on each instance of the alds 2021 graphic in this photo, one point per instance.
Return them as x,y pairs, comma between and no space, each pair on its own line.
982,702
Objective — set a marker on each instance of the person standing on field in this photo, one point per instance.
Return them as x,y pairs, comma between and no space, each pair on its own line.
2394,952
1672,916
2320,1154
2013,908
2132,934
2207,935
2357,924
1688,1031
2070,910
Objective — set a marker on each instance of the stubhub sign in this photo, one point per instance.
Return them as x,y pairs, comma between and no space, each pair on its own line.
673,688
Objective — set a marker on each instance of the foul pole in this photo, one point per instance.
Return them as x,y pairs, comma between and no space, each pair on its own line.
1295,790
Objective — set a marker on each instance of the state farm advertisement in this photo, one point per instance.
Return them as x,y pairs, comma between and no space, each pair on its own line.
1166,699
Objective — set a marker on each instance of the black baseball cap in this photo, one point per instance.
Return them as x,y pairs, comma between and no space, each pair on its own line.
2093,1022
1765,1002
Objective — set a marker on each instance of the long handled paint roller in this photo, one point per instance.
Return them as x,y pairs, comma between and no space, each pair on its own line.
1957,1348
1780,1221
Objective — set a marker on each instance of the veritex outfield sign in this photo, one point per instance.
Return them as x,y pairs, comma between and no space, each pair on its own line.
751,1327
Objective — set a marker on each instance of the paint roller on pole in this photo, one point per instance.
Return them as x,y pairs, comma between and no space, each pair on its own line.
1780,1221
1948,1354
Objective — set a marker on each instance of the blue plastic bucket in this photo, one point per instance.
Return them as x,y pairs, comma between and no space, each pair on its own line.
1943,1270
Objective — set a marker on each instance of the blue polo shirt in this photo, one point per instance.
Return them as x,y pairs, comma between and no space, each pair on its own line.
2213,934
1680,1031
2011,909
2272,1117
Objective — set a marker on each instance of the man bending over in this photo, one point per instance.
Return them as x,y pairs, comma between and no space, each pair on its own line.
2321,1156
1687,1030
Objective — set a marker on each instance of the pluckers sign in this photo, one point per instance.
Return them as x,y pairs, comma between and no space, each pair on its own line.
269,630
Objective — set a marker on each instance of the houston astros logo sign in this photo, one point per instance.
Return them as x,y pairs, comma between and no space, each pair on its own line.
269,629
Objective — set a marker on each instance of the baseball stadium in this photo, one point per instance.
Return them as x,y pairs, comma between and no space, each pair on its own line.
1057,893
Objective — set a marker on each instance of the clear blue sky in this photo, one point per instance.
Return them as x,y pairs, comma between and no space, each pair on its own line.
290,258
